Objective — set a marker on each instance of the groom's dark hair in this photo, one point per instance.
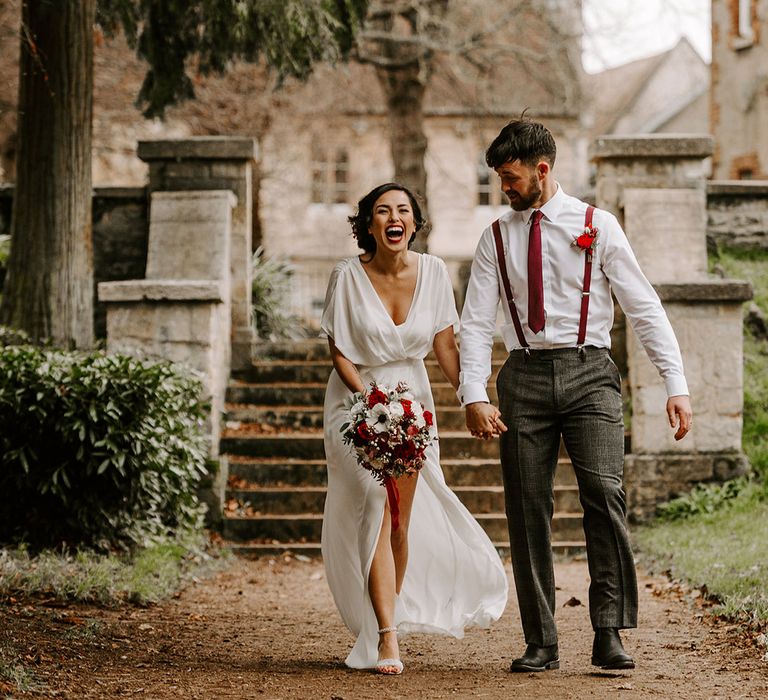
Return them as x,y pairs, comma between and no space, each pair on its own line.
524,140
362,219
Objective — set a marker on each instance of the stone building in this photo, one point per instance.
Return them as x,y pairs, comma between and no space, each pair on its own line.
323,144
739,95
664,93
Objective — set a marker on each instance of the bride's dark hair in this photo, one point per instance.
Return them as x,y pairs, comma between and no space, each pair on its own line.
362,219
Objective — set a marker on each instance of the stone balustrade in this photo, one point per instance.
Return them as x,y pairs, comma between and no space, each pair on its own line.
656,187
181,311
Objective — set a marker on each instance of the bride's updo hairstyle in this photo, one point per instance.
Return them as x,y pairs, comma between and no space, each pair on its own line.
361,221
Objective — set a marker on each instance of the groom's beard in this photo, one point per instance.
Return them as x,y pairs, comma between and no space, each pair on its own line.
522,202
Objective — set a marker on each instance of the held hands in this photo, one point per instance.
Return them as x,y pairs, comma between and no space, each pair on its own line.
680,415
484,420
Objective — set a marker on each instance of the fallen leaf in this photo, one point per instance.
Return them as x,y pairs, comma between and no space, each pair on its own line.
572,603
69,620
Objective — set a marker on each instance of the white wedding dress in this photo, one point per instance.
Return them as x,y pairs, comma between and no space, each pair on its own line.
454,577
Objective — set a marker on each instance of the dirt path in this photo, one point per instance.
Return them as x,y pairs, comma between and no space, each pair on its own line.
266,629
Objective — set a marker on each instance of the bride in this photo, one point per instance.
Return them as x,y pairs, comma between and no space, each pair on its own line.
437,571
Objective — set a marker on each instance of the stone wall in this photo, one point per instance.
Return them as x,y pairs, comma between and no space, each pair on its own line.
120,232
120,235
737,214
216,163
656,187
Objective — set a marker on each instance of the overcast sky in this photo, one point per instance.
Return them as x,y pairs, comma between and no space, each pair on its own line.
619,31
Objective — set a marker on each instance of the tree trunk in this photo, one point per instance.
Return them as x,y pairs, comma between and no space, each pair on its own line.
404,89
49,288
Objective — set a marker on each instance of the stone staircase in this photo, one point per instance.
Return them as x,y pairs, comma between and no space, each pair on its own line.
274,446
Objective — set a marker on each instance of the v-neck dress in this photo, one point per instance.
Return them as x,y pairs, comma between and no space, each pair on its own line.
454,578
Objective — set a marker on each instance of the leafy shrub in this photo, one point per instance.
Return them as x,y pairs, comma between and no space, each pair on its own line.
705,499
97,450
271,287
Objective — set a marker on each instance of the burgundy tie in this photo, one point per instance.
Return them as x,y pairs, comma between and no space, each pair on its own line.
535,279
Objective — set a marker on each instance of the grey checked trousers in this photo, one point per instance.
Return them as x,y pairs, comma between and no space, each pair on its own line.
544,396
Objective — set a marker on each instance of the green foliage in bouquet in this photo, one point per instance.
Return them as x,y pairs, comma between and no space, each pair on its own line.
97,450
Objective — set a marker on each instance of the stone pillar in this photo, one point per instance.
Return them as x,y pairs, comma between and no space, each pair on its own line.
181,311
656,186
216,163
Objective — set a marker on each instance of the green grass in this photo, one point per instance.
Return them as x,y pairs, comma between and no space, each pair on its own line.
716,537
753,266
726,552
148,576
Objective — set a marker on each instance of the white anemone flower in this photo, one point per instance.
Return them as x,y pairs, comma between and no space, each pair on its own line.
379,418
396,410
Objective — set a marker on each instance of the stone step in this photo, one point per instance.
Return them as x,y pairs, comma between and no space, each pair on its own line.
291,417
312,549
248,442
311,499
302,527
311,417
317,349
306,527
313,393
278,394
274,472
309,445
315,371
311,349
279,472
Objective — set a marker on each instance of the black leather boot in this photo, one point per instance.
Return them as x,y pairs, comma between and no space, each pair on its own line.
608,651
536,659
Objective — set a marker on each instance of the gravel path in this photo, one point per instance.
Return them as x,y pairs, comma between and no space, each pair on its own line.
268,629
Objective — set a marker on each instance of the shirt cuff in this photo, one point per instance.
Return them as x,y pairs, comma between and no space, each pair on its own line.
676,385
472,393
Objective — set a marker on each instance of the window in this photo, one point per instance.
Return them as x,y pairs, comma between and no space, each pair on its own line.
745,20
746,174
489,192
330,174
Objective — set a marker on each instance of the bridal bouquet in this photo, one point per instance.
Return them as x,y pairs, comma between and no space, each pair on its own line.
389,432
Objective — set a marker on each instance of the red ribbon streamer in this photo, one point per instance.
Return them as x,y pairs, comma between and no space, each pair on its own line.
394,501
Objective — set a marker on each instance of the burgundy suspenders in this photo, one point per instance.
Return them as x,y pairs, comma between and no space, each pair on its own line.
505,281
587,282
508,289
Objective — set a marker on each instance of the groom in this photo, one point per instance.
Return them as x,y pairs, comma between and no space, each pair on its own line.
553,262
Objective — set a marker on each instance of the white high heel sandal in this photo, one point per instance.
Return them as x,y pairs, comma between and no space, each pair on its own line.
383,665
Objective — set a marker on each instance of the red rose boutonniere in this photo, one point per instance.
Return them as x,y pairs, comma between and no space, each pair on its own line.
587,241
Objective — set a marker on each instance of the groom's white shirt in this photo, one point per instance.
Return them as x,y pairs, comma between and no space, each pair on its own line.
615,268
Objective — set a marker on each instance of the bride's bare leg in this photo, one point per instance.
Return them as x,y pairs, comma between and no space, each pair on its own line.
406,485
381,588
388,567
